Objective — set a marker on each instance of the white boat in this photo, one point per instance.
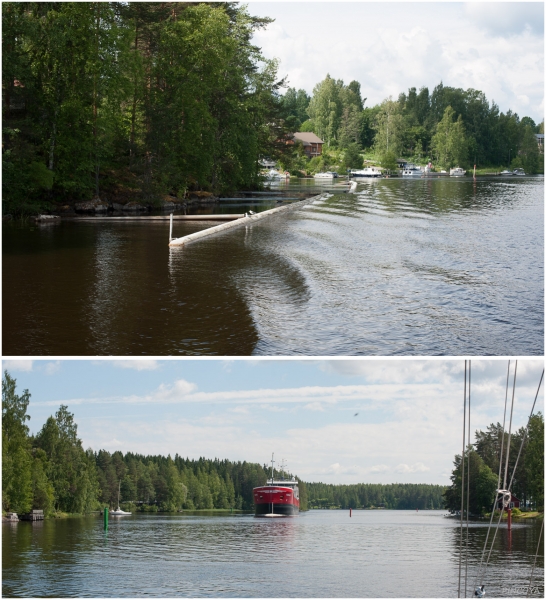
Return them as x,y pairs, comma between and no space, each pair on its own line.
519,172
274,175
412,172
457,172
325,175
366,172
118,512
506,173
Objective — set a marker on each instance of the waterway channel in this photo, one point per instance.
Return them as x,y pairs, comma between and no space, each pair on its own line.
322,553
421,267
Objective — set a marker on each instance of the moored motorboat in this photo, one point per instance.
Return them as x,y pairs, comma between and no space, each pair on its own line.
411,172
366,172
519,172
274,175
457,172
278,498
506,173
325,175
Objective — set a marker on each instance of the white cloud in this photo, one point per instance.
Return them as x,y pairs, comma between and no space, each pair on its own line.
52,367
379,469
17,365
415,468
137,364
495,48
314,406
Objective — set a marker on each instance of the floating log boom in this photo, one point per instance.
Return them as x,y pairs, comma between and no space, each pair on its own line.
246,220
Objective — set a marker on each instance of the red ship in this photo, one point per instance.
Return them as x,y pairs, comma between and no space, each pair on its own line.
277,498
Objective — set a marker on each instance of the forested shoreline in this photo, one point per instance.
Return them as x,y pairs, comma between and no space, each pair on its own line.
51,471
142,101
448,126
482,462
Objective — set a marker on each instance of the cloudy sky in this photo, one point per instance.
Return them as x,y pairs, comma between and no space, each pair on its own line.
408,426
388,47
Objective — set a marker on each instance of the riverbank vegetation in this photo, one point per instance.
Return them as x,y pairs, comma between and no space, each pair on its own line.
400,496
447,127
483,460
132,100
51,471
118,102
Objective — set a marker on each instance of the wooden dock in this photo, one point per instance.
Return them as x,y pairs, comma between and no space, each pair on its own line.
221,217
33,515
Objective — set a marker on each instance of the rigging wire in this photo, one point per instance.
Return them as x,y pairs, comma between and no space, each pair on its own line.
510,427
495,502
506,469
462,484
467,483
518,457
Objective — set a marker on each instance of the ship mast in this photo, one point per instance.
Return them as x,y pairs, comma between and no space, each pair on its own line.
272,462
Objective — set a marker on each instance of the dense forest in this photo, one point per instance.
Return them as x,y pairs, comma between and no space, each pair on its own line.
132,100
51,471
448,127
145,101
483,458
399,496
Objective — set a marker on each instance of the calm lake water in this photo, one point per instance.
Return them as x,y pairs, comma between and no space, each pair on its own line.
423,267
317,554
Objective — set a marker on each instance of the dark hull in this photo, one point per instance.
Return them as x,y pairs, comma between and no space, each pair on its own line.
284,510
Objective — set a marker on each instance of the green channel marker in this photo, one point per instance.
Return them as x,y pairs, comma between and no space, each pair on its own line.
105,512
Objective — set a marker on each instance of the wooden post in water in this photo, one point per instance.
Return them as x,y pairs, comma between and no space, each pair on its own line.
171,228
350,512
105,513
509,515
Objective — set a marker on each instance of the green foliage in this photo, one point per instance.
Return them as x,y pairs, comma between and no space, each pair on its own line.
294,105
308,126
175,94
483,484
449,143
528,477
42,489
388,161
352,159
533,464
390,129
70,470
335,111
374,495
16,458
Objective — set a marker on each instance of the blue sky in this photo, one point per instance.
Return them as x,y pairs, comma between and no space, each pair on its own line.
494,47
408,426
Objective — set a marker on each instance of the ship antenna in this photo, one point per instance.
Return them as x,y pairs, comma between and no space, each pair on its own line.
272,461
